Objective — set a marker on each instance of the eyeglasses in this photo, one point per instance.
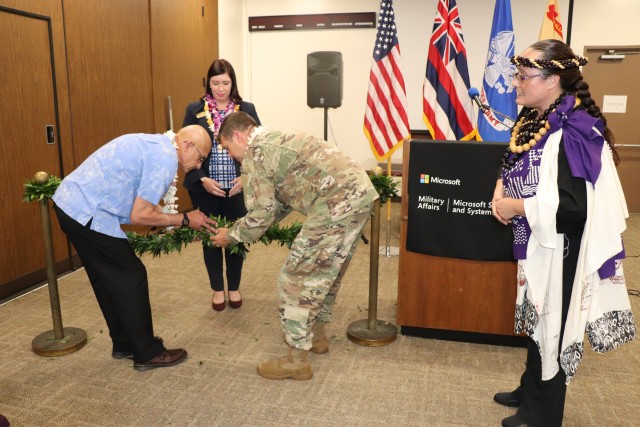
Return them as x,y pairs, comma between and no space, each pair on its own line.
202,158
524,77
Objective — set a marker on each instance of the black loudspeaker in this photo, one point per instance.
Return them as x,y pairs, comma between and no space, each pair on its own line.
324,79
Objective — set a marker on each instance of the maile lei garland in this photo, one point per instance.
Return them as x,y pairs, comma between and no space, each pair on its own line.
385,186
166,242
38,191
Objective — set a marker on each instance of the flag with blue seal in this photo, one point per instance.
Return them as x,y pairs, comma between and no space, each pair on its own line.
497,90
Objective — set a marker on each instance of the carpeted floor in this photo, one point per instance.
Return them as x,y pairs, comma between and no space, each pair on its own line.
411,382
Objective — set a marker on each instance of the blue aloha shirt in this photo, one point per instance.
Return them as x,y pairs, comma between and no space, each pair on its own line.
105,185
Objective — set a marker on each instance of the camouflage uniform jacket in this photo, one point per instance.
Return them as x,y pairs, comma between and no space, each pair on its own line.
284,171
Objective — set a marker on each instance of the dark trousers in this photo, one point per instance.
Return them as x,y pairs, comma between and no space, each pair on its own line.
231,208
542,402
119,282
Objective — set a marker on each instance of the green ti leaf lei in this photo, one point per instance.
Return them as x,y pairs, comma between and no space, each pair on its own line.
35,191
163,243
385,186
174,240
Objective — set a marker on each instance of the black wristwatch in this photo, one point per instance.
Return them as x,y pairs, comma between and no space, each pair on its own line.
185,220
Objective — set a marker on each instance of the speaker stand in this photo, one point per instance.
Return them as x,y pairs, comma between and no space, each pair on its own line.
326,120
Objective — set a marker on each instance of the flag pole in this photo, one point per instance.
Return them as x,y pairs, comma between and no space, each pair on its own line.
569,22
389,250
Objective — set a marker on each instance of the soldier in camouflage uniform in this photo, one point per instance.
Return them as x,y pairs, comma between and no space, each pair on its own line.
284,171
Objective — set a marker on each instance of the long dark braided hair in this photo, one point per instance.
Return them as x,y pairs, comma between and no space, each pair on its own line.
571,81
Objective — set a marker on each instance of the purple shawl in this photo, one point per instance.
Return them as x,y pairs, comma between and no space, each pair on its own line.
583,147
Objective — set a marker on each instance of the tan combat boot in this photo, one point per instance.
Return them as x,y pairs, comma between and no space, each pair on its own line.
320,340
294,365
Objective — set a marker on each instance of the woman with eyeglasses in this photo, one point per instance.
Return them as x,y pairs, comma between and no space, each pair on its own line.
559,189
216,187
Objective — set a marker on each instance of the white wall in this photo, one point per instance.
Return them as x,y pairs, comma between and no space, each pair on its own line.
271,65
605,23
232,37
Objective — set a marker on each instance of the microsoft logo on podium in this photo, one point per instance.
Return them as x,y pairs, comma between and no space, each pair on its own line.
428,179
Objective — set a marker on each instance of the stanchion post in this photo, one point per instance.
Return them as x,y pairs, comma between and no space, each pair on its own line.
60,340
389,250
373,267
54,298
371,331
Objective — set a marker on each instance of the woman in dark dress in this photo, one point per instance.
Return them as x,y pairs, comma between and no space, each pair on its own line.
216,187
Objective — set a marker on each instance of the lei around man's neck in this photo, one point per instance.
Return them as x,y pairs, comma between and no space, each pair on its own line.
254,134
169,200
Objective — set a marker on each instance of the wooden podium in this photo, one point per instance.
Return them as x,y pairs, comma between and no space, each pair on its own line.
452,298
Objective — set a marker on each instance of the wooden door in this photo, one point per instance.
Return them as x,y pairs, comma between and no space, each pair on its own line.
108,45
109,62
27,106
184,42
617,77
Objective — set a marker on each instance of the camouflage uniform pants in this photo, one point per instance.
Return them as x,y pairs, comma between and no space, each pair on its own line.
311,275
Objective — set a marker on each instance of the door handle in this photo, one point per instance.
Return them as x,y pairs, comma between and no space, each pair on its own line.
51,136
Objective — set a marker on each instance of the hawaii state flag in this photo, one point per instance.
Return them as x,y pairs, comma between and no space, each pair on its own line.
497,90
386,123
551,26
447,108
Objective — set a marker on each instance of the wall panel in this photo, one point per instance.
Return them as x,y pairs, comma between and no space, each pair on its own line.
184,43
109,57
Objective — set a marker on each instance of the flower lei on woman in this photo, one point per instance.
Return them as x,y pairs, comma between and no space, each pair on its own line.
215,117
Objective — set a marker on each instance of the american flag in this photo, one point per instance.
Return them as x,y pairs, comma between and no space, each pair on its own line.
448,111
385,120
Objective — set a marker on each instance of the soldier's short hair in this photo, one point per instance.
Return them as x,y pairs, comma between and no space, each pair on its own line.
238,121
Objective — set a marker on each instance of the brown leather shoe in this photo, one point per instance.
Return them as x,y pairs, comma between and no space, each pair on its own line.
169,357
